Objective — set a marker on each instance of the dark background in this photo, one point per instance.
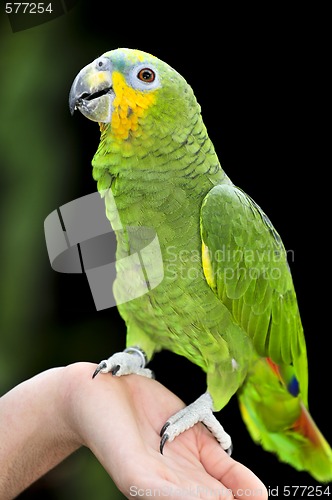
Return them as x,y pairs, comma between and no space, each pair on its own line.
260,78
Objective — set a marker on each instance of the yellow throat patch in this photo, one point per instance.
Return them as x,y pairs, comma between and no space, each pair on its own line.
129,106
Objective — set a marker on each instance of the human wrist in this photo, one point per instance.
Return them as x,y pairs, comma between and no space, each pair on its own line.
73,398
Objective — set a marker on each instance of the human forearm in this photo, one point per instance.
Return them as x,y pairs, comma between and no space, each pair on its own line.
34,436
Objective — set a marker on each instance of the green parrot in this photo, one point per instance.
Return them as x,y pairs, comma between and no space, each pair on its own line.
227,300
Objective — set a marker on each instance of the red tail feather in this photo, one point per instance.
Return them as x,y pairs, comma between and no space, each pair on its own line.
306,426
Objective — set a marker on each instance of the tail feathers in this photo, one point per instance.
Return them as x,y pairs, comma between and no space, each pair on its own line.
281,423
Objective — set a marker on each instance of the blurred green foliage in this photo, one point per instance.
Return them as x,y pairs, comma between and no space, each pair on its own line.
43,322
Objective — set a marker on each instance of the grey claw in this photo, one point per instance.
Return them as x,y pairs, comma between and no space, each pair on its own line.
229,450
99,367
163,442
163,429
115,370
164,436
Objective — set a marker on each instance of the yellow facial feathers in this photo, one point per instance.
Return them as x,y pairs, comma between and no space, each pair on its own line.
128,107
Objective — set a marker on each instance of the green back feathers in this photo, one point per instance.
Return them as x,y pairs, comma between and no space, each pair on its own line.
252,277
246,266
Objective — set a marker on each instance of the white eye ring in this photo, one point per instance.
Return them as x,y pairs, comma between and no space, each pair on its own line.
137,80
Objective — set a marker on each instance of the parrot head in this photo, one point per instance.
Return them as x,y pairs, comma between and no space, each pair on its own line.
129,91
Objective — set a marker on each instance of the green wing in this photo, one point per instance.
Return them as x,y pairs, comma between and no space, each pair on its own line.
245,263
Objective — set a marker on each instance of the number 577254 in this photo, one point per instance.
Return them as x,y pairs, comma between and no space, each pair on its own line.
28,8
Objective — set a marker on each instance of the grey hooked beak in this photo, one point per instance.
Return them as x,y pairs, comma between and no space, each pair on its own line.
92,93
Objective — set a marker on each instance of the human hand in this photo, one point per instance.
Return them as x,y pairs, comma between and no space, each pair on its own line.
119,419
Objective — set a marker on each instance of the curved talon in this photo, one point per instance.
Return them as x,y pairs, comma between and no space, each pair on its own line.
163,442
163,429
229,450
100,367
115,370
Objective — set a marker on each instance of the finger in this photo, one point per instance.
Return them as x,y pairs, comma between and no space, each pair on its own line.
234,475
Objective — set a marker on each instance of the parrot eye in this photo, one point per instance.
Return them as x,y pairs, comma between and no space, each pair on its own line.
145,78
146,75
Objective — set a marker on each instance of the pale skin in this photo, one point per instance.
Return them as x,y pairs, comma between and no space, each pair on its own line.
48,417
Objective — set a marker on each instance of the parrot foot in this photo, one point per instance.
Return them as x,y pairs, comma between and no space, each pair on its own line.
199,411
131,360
